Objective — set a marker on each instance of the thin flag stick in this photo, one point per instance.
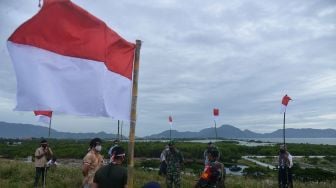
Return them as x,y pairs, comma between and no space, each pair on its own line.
215,113
284,129
121,126
284,102
130,166
215,130
170,120
49,127
170,131
118,137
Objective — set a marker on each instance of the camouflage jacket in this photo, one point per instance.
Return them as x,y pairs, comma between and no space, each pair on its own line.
174,160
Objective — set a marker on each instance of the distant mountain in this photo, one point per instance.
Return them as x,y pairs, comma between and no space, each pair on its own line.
229,131
15,130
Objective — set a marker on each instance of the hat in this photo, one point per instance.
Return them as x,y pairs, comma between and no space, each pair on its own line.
118,151
210,143
43,141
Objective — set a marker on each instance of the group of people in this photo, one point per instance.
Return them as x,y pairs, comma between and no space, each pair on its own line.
172,163
97,174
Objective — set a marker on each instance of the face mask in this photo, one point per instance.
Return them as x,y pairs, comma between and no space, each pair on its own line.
98,148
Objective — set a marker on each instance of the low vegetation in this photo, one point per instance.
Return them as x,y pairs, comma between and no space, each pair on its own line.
19,174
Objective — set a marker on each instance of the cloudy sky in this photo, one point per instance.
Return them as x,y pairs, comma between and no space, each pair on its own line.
239,56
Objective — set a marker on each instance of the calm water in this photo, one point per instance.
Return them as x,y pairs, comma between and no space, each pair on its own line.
330,141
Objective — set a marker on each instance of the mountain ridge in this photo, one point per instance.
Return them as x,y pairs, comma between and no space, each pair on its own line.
16,130
231,132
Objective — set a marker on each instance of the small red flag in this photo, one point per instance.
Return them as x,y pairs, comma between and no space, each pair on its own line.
43,113
285,100
170,119
216,111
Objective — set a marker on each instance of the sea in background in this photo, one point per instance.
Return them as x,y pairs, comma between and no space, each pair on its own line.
329,141
258,141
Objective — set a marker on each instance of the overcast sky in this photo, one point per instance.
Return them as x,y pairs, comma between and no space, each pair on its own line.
235,55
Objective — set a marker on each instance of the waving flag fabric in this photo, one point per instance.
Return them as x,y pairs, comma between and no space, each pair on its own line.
69,61
215,111
43,116
170,119
285,101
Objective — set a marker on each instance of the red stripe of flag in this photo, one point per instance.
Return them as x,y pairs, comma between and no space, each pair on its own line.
43,113
285,100
64,28
215,111
170,119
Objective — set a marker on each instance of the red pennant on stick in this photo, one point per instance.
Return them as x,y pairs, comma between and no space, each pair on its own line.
216,111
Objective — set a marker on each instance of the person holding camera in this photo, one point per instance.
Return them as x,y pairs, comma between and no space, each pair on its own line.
42,155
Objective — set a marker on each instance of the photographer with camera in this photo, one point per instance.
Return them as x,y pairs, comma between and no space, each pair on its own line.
42,155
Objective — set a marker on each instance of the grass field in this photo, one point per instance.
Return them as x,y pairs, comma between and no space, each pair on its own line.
17,174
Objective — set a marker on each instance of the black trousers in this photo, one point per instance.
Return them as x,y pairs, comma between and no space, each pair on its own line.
39,172
285,178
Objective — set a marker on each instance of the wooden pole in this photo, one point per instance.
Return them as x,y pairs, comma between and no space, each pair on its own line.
130,166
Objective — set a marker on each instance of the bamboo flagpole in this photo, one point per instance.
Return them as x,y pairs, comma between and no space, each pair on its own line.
284,102
130,166
215,113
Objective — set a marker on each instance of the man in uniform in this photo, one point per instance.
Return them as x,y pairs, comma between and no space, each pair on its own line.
174,160
92,162
213,174
42,155
205,154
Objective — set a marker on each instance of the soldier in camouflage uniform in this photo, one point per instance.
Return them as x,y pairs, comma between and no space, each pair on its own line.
174,160
214,173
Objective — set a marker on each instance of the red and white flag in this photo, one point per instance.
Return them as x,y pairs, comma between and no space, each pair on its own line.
43,116
216,112
69,61
285,101
170,119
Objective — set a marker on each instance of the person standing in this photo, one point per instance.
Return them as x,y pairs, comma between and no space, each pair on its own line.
214,172
285,179
42,155
115,144
205,154
174,160
163,164
92,162
112,175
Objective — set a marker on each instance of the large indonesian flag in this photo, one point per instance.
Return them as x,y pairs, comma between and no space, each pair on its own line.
66,60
